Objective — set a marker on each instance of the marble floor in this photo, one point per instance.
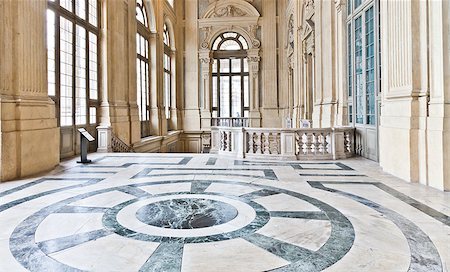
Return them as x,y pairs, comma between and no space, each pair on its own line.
186,212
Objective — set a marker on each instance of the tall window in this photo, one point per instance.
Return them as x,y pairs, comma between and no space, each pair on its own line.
72,48
362,47
230,76
167,72
142,68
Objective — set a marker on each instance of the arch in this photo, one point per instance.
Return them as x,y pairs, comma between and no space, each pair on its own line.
231,8
230,38
252,42
171,31
150,15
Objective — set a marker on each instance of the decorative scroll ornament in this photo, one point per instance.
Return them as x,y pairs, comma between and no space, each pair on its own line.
290,47
206,33
309,8
252,31
229,11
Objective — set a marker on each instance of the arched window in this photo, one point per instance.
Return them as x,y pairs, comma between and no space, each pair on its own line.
167,71
73,71
230,76
142,68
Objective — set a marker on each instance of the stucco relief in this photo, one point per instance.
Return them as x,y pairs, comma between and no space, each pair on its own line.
229,11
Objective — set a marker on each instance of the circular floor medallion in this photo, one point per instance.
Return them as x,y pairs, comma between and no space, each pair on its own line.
186,213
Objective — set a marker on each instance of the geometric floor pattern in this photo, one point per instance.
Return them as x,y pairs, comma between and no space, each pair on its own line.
201,212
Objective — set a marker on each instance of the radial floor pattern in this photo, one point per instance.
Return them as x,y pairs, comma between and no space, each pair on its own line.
184,212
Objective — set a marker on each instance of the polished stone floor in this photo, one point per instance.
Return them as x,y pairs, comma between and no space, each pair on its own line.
186,212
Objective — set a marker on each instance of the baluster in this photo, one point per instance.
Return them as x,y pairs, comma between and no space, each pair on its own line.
320,143
259,143
313,143
298,144
305,141
266,144
328,143
250,143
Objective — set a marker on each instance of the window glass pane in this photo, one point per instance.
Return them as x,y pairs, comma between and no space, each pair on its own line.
93,115
370,68
93,67
214,91
224,65
141,14
167,94
216,43
167,62
236,65
359,72
230,45
246,65
229,35
243,42
51,54
350,114
349,7
357,3
236,98
246,92
92,12
67,4
214,66
80,76
349,60
80,8
224,96
66,64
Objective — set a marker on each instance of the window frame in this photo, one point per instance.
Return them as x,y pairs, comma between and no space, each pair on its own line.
361,12
59,11
217,75
145,101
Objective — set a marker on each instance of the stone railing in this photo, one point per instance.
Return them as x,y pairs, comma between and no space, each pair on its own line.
118,145
283,144
231,121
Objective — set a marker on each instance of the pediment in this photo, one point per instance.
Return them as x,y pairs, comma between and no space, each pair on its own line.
230,8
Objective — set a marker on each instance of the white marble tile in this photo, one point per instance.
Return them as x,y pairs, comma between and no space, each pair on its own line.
283,202
66,224
110,253
229,189
105,200
310,234
230,255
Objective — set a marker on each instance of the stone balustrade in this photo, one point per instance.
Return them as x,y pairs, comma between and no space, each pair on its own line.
283,144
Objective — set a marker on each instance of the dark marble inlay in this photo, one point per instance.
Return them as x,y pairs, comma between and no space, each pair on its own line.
300,215
186,213
331,175
295,165
167,257
58,244
258,194
198,187
211,161
268,173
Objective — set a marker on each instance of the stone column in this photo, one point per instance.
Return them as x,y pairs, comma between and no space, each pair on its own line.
30,138
253,64
191,118
104,130
205,71
341,64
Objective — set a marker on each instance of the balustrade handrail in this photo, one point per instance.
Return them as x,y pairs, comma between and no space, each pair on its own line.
284,143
